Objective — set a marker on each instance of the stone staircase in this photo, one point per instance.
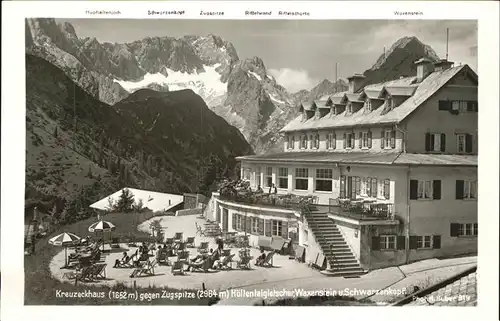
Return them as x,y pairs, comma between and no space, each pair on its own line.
342,261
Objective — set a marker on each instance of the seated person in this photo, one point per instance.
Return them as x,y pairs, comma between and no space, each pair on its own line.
121,261
198,262
260,258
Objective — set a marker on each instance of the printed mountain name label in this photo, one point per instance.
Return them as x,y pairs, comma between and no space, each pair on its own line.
211,13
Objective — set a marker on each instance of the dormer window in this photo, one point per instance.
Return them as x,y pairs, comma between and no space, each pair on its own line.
390,103
349,108
368,105
303,142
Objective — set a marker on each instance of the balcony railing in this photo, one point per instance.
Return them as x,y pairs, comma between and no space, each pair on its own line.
362,209
287,201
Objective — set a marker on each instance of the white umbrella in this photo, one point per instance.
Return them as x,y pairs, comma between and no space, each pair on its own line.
65,239
102,226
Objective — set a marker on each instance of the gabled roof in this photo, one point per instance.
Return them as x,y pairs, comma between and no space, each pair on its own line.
155,201
308,106
353,97
322,103
338,98
406,91
428,87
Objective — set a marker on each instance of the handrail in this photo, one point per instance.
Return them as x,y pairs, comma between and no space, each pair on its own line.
305,209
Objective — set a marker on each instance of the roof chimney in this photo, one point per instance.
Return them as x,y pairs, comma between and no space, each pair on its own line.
443,65
356,82
424,68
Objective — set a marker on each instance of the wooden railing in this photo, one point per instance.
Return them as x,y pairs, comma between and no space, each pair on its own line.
361,209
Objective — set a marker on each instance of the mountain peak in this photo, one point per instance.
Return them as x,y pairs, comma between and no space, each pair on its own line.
409,44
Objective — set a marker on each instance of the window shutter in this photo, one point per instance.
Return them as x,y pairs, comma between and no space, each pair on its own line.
248,224
401,242
334,141
393,139
375,243
267,224
444,105
345,140
470,106
436,189
454,228
233,222
413,189
468,143
413,242
459,190
261,226
349,188
427,142
352,139
369,139
443,142
436,242
476,231
342,186
374,189
360,140
284,230
387,189
382,137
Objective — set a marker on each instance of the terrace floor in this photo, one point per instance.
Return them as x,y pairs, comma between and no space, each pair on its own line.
287,274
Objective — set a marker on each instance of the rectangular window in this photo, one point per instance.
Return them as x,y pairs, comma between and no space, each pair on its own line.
291,142
331,141
435,142
387,189
424,190
349,140
368,105
467,229
470,189
247,173
254,225
387,139
282,177
303,142
459,105
269,176
324,179
388,242
301,179
276,228
424,242
364,140
316,141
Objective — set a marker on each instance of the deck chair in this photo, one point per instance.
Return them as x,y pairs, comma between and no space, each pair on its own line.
147,269
277,244
115,243
127,263
169,242
203,266
203,248
99,271
320,261
225,264
162,258
300,252
78,273
244,263
183,256
178,236
268,261
178,268
190,241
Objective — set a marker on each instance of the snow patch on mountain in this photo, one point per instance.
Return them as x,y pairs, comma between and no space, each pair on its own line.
207,84
276,99
255,75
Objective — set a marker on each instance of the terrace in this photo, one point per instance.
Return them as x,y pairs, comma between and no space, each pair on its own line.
359,209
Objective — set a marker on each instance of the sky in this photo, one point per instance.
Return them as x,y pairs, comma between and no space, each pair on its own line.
301,53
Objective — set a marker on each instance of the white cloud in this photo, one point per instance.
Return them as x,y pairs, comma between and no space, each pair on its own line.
293,79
